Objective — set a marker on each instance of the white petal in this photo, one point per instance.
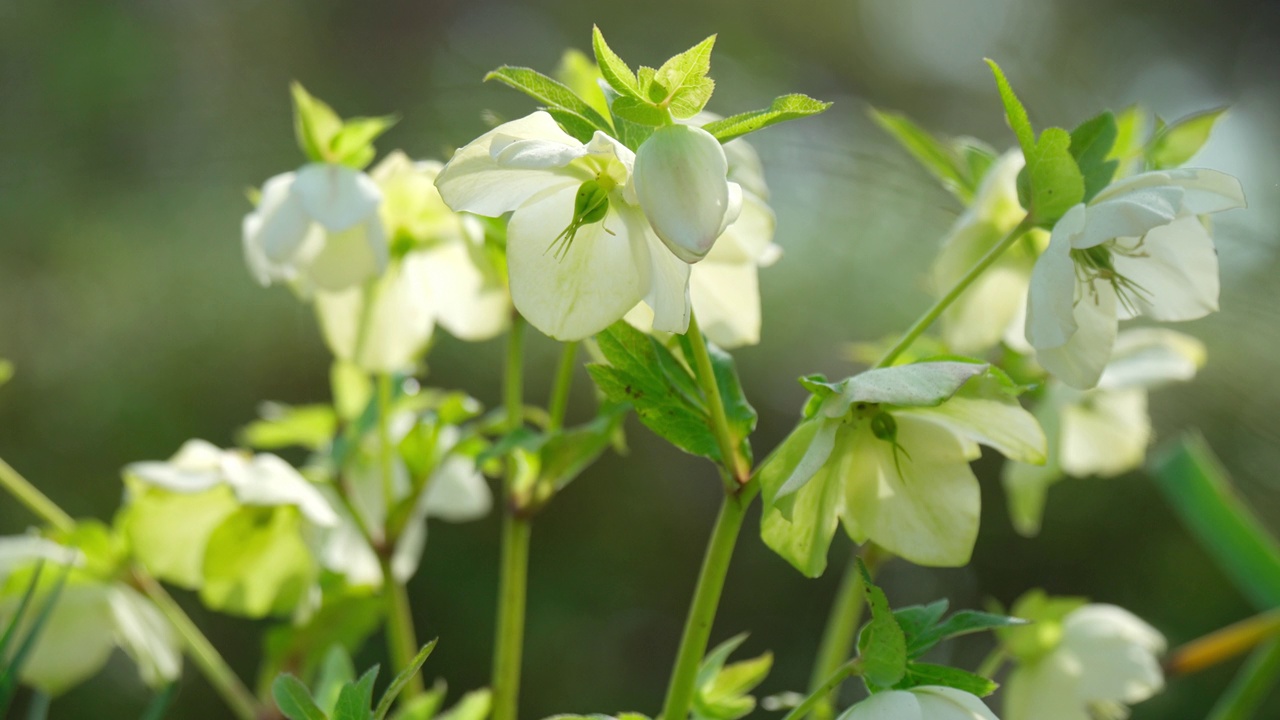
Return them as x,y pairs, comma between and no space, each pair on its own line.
749,238
1079,362
1116,651
17,550
1106,433
668,292
474,181
275,233
603,275
336,196
888,705
349,258
399,324
469,304
75,642
946,703
745,167
457,492
1150,357
196,467
681,182
929,513
1128,215
1177,268
1050,320
146,636
1045,690
269,480
1206,191
726,297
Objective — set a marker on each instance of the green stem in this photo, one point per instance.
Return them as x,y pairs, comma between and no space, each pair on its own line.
563,384
706,599
206,656
37,502
215,668
837,638
933,313
516,529
732,459
824,690
386,452
1251,686
402,639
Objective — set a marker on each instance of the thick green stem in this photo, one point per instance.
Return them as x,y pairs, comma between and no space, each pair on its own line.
516,528
215,669
1251,686
706,599
402,639
837,639
386,451
205,655
559,404
933,313
733,462
824,690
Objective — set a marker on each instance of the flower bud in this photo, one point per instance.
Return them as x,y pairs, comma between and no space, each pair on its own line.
681,182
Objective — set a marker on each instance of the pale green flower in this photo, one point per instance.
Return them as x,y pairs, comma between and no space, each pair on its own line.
1102,432
926,702
1138,248
580,253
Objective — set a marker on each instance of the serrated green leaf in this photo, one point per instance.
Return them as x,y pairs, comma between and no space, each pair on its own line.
684,82
556,96
782,109
356,697
615,71
336,670
402,679
1180,140
640,112
294,700
961,623
942,161
928,674
1091,144
715,660
1056,184
925,384
568,453
915,619
1014,111
345,618
581,75
738,678
574,124
353,144
315,123
882,646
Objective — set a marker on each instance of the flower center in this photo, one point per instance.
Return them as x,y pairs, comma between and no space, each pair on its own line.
885,428
590,206
1097,264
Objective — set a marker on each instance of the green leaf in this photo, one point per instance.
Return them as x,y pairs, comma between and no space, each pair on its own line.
568,453
356,697
281,426
402,679
640,111
346,618
961,623
615,71
336,670
353,144
738,411
782,109
1091,144
942,161
1131,131
474,705
1179,141
11,666
1200,491
1054,179
1014,111
314,123
915,619
882,645
581,75
928,674
351,387
683,79
554,94
294,700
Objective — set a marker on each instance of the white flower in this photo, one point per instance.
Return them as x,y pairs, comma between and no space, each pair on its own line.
317,228
681,181
1138,248
724,287
442,278
573,271
1105,661
92,616
887,454
926,702
979,318
1102,432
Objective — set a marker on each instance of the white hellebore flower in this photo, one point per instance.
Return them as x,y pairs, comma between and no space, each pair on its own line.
92,616
1138,248
681,180
580,252
1105,661
442,278
981,316
317,228
725,287
1102,432
886,453
926,702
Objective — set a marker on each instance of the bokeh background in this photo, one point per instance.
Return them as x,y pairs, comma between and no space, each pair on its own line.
130,130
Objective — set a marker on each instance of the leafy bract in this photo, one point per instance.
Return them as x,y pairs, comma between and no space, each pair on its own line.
577,116
929,674
308,426
782,109
1091,144
958,164
615,71
882,646
722,689
325,137
1181,139
397,685
294,699
256,563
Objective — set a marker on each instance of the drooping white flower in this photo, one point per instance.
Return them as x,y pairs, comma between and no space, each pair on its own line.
886,453
1102,432
926,702
442,277
93,615
724,287
1138,248
317,228
979,318
1105,661
576,264
681,180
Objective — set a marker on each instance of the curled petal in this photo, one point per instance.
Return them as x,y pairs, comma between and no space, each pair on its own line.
1050,321
681,183
1130,215
1080,361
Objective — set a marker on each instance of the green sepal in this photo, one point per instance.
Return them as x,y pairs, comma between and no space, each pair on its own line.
782,109
474,705
1180,140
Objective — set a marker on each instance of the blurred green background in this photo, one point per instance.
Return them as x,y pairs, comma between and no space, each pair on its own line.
130,130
